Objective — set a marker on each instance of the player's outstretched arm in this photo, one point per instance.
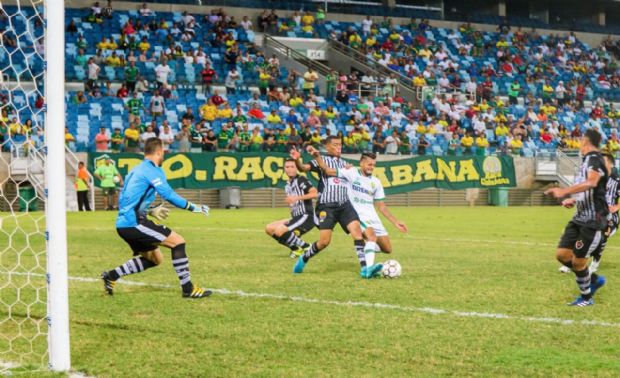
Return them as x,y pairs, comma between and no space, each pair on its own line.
590,182
296,155
320,162
167,193
382,207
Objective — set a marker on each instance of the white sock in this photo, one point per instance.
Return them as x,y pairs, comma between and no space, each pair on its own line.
369,252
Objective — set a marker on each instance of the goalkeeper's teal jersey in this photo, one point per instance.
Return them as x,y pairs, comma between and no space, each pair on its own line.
141,185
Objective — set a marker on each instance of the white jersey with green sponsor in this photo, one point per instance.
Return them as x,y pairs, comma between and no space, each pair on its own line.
363,192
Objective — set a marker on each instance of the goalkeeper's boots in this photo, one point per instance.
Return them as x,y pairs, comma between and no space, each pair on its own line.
196,292
108,283
299,265
599,283
368,272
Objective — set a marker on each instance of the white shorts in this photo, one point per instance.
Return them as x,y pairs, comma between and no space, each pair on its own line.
374,223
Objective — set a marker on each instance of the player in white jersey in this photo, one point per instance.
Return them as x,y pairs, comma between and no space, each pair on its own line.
367,195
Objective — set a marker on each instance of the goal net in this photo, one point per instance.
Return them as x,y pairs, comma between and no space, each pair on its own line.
33,268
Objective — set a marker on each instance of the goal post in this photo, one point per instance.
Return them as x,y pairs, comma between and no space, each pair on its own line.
55,176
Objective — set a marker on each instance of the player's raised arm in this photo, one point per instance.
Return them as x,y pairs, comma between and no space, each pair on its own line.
320,162
296,155
166,192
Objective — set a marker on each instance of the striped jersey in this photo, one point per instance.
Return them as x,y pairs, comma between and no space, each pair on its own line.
613,193
591,205
332,190
299,186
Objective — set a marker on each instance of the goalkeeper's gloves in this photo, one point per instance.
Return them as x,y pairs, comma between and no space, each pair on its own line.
160,212
198,208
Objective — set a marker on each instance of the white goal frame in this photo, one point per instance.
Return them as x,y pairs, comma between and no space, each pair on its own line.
55,176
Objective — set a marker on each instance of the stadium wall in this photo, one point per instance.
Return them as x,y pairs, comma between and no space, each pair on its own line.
526,193
592,39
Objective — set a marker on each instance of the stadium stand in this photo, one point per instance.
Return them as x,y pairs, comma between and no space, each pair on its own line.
509,91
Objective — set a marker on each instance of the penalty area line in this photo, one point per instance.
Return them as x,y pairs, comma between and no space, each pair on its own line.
383,306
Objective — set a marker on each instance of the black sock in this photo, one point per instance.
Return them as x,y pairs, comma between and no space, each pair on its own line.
593,277
135,265
359,250
583,279
290,240
314,249
180,262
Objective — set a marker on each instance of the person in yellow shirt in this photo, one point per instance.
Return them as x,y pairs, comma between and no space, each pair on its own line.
256,140
316,139
307,29
208,111
501,130
113,60
394,37
295,101
516,145
274,118
419,81
307,19
225,113
467,142
501,44
349,143
431,130
482,144
425,53
612,146
355,41
106,45
144,45
500,118
483,106
68,136
548,109
371,41
420,129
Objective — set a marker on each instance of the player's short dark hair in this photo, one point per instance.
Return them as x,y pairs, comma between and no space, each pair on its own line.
152,145
593,136
368,155
331,138
289,160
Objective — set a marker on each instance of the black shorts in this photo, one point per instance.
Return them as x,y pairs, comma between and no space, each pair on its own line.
301,224
343,214
145,237
582,240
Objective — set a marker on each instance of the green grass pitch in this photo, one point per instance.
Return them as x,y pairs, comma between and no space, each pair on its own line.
480,295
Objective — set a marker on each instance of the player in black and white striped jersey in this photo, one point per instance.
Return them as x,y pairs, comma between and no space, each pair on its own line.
612,196
333,207
299,196
584,232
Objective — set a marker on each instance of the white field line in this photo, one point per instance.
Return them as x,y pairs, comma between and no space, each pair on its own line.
416,237
384,306
5,371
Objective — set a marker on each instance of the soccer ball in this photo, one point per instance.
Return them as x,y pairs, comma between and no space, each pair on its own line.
116,179
391,269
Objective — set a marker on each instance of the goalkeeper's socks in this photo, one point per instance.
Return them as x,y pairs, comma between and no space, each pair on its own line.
359,250
180,262
135,265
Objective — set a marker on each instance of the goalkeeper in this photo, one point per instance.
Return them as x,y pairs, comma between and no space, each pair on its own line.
145,236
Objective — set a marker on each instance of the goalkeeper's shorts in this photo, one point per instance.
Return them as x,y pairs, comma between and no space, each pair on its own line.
144,237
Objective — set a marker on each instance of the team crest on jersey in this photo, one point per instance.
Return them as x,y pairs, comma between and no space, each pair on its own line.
336,180
579,244
322,216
